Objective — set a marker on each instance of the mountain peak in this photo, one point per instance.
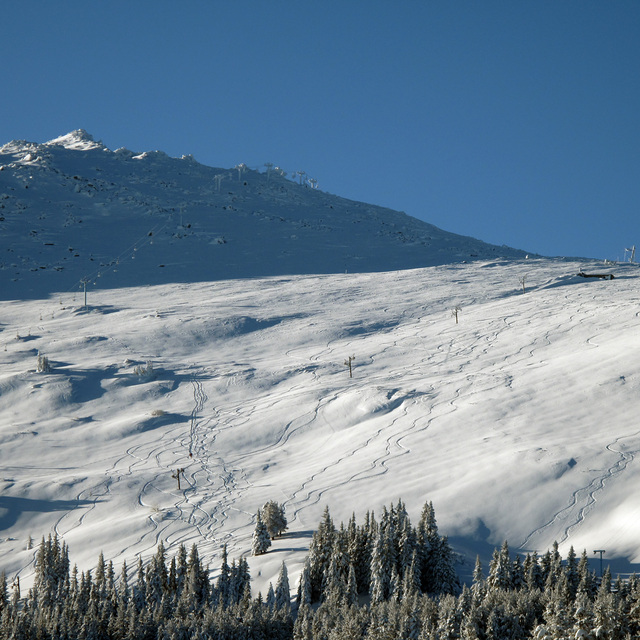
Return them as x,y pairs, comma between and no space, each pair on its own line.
78,139
71,209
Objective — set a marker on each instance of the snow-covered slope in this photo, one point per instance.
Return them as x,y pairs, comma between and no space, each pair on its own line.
71,209
518,421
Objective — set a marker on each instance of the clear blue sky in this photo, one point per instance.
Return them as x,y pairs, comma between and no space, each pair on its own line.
515,122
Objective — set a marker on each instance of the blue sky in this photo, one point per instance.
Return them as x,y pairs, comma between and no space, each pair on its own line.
514,122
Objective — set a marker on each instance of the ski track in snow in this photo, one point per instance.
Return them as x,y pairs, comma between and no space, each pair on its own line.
584,499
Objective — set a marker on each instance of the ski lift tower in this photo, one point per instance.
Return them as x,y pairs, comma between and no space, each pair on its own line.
632,251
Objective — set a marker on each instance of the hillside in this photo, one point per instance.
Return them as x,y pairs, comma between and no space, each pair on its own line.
517,421
73,210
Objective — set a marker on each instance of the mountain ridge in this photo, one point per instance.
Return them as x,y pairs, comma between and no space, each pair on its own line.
84,212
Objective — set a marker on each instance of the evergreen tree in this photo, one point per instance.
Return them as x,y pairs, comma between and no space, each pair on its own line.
4,594
500,569
239,581
517,574
382,563
156,578
270,601
274,518
478,587
444,577
302,629
223,585
553,567
557,620
583,618
449,619
428,541
411,578
533,572
407,544
572,573
52,570
304,587
606,616
261,539
140,588
123,591
320,551
410,623
586,579
283,592
359,550
351,595
197,578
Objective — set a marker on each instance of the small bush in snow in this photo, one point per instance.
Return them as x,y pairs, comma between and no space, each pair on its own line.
43,365
144,371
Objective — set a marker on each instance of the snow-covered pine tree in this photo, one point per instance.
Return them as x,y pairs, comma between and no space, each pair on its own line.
533,572
445,579
407,544
139,588
517,573
239,581
223,583
283,592
4,594
586,579
304,587
52,569
557,619
274,518
410,623
351,594
181,569
479,586
333,581
123,586
382,564
449,619
270,601
303,627
359,550
156,578
571,571
582,618
261,538
500,569
428,540
320,551
411,577
197,578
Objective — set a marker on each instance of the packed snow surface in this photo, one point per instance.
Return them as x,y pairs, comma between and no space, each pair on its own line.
518,420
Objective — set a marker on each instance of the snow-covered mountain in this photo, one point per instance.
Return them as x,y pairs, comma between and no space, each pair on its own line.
515,415
71,209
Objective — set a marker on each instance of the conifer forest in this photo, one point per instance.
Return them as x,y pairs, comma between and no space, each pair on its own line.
382,579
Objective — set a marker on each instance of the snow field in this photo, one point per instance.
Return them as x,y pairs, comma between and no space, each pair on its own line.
517,422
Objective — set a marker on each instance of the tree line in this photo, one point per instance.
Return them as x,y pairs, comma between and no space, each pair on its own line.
382,579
